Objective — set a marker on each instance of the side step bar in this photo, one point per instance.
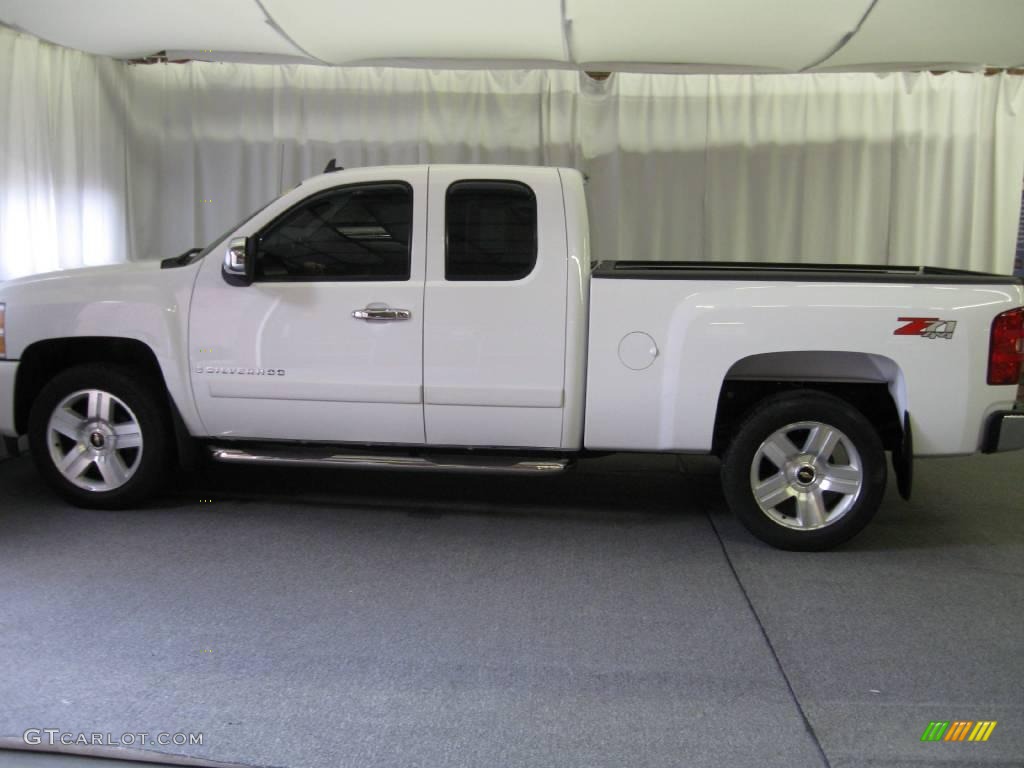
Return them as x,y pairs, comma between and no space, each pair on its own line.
321,458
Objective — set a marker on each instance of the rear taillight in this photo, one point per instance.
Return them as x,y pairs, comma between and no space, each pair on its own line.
1006,347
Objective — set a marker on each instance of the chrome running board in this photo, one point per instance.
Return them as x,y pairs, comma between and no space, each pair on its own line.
311,457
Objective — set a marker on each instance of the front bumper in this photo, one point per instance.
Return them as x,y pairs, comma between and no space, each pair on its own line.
8,372
1004,432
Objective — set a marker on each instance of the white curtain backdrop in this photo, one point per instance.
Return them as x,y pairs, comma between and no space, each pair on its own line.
104,161
62,158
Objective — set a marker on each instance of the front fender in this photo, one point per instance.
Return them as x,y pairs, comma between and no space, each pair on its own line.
136,301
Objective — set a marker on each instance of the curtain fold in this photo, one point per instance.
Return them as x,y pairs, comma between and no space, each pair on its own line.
105,161
62,158
799,168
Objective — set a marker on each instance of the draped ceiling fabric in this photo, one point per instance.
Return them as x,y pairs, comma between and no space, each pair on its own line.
677,36
104,161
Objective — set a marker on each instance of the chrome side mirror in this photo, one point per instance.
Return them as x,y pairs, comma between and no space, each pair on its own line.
240,261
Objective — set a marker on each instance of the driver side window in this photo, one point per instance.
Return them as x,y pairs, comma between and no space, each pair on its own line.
357,233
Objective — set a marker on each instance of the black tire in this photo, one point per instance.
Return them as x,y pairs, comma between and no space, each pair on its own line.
142,405
804,482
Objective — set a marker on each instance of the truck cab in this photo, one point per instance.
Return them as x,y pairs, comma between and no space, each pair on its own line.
402,306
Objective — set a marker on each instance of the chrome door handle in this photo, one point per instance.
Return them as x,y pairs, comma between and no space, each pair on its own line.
378,314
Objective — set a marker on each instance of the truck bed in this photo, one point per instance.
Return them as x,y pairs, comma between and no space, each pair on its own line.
833,273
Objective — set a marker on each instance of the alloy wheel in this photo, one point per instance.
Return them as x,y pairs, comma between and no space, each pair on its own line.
806,475
95,440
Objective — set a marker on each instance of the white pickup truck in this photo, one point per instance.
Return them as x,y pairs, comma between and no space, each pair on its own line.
448,317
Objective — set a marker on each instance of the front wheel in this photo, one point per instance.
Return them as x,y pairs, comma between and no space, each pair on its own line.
805,471
99,436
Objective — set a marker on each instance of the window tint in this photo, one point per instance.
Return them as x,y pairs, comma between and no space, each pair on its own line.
491,230
357,233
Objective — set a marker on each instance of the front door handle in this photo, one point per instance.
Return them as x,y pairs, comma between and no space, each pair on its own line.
381,314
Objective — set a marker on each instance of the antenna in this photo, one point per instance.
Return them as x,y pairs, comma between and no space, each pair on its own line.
333,166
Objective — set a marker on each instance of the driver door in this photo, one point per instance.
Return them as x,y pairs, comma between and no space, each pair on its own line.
326,344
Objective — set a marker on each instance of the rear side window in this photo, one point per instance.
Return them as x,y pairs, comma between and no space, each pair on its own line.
354,233
491,230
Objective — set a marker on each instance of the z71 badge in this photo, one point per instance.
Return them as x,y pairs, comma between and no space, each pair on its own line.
928,327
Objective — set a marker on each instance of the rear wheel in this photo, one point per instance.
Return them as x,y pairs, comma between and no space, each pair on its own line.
805,471
99,436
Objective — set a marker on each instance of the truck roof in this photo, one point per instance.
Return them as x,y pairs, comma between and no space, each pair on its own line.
517,171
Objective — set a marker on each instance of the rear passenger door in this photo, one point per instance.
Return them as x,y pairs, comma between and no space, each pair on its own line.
494,308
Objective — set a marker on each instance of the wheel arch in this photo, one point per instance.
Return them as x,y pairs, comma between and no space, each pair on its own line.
43,360
873,384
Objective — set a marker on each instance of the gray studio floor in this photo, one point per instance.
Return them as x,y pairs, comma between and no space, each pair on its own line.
613,617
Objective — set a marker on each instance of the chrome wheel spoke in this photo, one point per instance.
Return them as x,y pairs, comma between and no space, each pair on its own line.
100,405
845,480
810,509
773,491
778,449
75,462
113,470
822,442
128,435
67,423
